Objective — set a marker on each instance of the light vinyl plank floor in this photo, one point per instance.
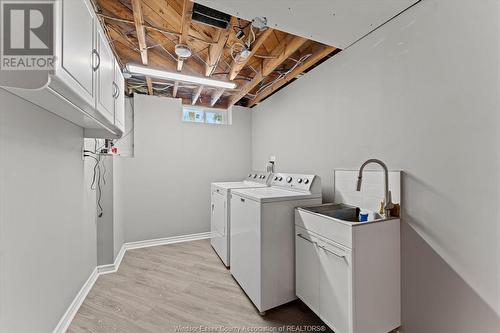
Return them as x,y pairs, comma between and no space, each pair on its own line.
181,287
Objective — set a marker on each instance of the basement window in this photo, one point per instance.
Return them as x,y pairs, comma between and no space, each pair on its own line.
193,114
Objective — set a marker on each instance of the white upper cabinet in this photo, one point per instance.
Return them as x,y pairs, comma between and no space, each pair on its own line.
84,87
78,52
105,69
119,95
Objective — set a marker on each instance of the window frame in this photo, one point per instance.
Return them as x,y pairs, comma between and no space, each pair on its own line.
226,115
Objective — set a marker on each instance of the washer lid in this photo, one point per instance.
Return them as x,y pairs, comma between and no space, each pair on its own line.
273,194
242,184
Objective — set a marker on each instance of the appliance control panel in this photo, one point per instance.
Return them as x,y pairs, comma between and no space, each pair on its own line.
293,181
259,177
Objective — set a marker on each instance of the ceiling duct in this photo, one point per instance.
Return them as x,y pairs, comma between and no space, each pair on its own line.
210,16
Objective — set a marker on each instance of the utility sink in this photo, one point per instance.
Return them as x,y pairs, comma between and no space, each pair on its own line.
342,212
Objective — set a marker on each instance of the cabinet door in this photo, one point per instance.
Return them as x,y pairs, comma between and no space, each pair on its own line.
307,269
78,34
218,215
119,98
335,287
105,78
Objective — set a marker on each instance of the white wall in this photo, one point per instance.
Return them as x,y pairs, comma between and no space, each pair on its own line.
47,216
421,93
166,185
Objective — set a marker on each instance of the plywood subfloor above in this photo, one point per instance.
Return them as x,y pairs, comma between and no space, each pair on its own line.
147,31
164,288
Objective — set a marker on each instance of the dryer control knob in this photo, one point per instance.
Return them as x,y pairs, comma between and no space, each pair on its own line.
276,178
299,180
306,181
249,175
280,179
289,180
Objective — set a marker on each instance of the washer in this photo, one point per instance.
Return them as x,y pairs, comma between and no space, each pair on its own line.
262,237
220,222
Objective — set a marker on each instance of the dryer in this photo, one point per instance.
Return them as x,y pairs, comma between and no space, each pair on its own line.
220,221
262,237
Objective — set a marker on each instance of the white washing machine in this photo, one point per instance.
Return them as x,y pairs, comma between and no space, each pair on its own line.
220,222
262,237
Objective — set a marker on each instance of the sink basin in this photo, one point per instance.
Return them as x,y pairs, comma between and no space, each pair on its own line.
341,212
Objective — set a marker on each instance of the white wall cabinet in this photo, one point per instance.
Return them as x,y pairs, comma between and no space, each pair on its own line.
78,36
119,96
83,86
106,92
349,275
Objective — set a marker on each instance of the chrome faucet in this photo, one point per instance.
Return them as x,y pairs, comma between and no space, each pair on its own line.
387,194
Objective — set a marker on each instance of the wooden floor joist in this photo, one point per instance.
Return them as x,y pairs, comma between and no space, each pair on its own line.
216,52
141,37
215,96
284,50
238,63
196,95
187,8
314,58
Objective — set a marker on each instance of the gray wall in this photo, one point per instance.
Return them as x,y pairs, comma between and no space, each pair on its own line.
47,216
110,228
106,229
166,186
421,93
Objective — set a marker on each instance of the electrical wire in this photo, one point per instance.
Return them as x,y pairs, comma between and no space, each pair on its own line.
282,75
104,168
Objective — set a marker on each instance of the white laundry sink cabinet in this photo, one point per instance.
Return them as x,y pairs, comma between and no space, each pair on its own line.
349,273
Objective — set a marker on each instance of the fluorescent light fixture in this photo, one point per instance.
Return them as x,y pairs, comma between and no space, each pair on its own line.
162,74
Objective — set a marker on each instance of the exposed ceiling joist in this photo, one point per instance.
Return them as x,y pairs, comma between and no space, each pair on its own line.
215,50
196,95
238,63
146,31
215,96
285,49
319,54
246,88
176,87
187,9
141,37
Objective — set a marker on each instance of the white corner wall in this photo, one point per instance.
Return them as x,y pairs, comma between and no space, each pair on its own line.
47,216
166,185
422,94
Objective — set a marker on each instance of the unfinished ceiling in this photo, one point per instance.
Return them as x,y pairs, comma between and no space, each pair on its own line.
260,60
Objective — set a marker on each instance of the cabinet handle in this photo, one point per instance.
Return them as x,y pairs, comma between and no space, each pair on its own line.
307,239
95,54
242,200
116,92
336,254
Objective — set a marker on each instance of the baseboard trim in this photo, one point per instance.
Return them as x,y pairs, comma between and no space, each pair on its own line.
112,268
70,313
167,240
